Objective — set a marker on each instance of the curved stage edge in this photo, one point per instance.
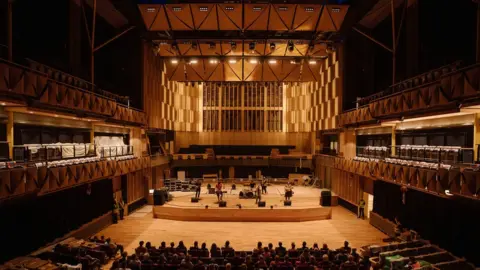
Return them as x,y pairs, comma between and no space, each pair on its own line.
283,214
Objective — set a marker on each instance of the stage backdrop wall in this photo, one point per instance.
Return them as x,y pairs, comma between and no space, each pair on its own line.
451,223
31,222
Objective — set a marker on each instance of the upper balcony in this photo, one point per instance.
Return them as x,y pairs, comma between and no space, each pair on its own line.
445,89
46,88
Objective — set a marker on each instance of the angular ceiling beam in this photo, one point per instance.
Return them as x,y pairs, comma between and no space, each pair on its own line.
372,39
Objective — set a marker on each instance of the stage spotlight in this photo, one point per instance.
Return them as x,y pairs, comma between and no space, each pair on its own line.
174,61
253,61
174,47
194,46
251,46
272,61
213,61
211,46
193,61
272,46
291,46
232,61
312,62
233,45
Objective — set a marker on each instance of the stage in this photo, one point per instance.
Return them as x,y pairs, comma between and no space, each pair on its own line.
305,206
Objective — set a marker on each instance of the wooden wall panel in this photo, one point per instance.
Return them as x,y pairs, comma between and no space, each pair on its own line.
347,186
136,186
313,106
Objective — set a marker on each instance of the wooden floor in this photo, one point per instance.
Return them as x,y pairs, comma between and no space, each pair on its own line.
243,235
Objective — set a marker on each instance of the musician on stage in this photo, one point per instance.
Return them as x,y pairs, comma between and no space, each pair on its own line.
264,186
252,185
259,194
198,188
219,191
288,191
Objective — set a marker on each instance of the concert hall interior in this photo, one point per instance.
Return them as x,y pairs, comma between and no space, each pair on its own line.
244,134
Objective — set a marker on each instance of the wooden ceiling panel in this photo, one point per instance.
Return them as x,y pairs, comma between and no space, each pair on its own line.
306,17
252,71
214,72
298,50
326,22
180,16
256,16
194,71
230,16
281,17
337,13
205,16
268,71
291,71
206,50
175,72
149,14
259,48
166,50
307,74
319,50
233,71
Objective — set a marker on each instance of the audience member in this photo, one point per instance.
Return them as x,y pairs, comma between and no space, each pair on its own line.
215,251
186,263
261,263
349,264
280,250
140,249
325,249
326,264
292,252
259,248
275,262
204,249
346,248
181,248
171,249
194,247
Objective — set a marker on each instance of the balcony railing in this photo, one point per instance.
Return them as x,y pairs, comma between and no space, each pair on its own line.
436,154
115,151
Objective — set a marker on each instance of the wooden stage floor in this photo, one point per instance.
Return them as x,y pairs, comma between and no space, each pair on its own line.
344,225
305,207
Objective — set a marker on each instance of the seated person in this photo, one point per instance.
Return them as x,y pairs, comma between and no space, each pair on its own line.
149,247
292,252
186,263
259,248
304,246
315,247
215,251
228,251
181,248
266,252
271,249
302,263
194,248
285,264
163,247
140,249
204,250
261,263
326,264
199,265
172,250
213,265
346,248
305,254
341,257
274,263
134,262
249,262
356,256
280,250
412,263
325,249
312,261
146,260
349,264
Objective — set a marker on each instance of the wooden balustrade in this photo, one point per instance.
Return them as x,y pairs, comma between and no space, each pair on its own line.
41,180
442,94
19,82
458,181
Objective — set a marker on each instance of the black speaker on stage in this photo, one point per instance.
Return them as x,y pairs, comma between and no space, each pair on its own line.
194,200
222,204
326,198
287,203
159,196
261,204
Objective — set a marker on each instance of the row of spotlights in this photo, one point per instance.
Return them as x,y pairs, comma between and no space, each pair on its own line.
251,46
231,8
251,61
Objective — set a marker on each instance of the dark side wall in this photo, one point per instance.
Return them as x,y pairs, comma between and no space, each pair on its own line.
31,222
451,223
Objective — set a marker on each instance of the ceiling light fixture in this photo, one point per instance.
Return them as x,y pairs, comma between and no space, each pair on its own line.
151,9
229,8
257,8
174,61
311,47
174,46
283,8
251,46
232,61
253,61
312,62
211,46
193,61
194,46
336,10
233,44
272,61
177,9
203,9
213,61
291,46
272,46
309,9
3,103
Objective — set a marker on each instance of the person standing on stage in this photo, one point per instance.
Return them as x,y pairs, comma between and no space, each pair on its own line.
288,191
259,194
198,189
264,186
361,209
219,191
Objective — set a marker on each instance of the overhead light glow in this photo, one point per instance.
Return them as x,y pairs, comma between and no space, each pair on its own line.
203,8
3,103
213,61
336,10
232,61
283,8
309,9
56,115
151,9
30,112
257,8
229,8
272,61
292,62
177,8
312,62
253,61
193,61
174,61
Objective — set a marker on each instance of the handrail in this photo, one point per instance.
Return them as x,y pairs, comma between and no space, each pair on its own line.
380,95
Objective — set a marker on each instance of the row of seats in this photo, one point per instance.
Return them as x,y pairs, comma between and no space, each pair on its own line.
258,150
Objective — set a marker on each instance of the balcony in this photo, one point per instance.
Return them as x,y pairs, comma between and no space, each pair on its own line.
434,92
55,91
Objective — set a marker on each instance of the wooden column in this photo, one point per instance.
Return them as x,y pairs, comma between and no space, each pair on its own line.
476,135
242,106
10,134
220,101
394,141
92,63
394,46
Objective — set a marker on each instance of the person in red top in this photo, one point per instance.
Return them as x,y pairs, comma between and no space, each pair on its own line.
219,191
